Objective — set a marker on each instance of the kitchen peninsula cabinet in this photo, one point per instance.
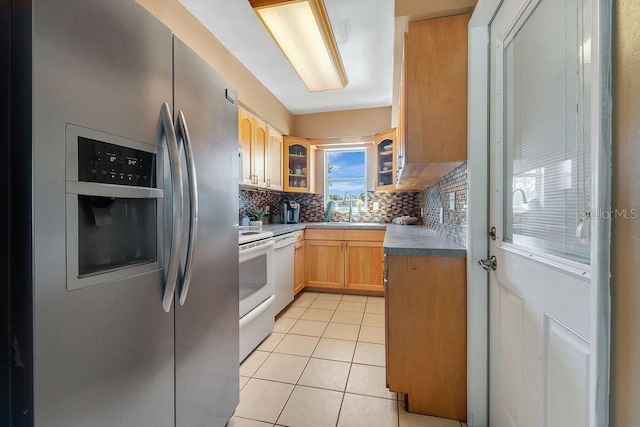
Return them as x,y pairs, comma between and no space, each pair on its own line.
433,112
426,328
344,259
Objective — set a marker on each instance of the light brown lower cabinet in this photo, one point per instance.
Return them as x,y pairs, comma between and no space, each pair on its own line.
345,259
299,267
325,264
426,327
363,266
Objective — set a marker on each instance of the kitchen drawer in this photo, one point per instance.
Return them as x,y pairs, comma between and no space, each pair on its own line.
364,235
298,236
318,234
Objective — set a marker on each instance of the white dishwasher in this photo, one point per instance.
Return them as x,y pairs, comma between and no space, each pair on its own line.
283,270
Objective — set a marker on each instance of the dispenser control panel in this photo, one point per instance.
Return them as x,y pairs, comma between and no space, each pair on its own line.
113,164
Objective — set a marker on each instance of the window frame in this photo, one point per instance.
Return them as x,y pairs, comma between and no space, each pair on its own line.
327,180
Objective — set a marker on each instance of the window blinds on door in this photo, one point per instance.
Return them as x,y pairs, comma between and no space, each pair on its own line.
547,169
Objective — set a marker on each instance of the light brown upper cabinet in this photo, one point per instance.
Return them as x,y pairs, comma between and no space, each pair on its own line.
433,115
246,132
260,153
299,159
386,164
260,147
274,159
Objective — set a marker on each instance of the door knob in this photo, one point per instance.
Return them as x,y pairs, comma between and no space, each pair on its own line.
489,263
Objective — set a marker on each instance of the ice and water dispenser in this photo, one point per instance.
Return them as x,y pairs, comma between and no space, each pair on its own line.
114,203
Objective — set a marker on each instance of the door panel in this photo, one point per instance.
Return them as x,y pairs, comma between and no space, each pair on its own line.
246,132
275,159
511,319
260,153
540,315
325,263
363,264
207,388
566,358
299,267
103,355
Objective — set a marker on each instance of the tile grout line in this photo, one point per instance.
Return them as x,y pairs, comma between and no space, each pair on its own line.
271,352
351,362
303,369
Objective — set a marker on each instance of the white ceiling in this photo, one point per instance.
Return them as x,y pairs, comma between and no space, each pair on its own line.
364,31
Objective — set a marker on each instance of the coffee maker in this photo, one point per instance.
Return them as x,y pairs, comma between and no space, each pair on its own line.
290,212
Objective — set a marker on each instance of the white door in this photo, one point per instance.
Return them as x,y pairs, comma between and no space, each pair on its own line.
542,189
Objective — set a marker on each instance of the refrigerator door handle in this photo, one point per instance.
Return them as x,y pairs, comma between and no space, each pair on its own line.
183,131
168,132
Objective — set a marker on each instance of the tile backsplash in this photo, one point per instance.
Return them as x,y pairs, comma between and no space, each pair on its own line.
436,196
258,199
391,205
312,206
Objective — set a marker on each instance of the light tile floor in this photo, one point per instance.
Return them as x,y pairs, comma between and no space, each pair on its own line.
323,365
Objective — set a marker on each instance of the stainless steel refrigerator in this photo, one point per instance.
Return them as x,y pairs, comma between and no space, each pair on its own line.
119,250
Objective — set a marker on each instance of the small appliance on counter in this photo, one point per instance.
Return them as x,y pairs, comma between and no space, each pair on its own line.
290,212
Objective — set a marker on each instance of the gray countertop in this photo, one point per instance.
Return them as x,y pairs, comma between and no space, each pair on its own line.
411,240
416,240
280,229
348,225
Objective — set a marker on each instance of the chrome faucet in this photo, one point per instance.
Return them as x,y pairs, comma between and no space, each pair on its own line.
524,196
350,207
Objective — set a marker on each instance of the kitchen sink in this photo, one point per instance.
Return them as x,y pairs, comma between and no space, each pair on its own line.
346,224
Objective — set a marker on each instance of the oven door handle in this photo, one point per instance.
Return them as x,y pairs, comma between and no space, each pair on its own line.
257,248
257,311
167,131
183,132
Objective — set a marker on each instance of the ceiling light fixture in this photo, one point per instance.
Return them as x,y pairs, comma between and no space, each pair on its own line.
302,30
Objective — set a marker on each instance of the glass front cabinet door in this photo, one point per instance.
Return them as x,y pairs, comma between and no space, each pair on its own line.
386,167
297,152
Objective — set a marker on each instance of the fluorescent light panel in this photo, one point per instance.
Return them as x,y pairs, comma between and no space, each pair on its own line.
303,32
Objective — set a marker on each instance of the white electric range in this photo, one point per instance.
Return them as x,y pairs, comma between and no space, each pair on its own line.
256,287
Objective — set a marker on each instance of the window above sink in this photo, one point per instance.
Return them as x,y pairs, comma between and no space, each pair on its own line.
346,174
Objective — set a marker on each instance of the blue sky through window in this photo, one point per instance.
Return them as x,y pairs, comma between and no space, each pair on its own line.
346,171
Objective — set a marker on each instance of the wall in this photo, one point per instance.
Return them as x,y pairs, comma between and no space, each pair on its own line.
312,206
250,91
332,124
420,9
454,224
625,289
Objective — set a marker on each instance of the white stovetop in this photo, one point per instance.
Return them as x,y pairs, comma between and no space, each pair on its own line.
249,234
